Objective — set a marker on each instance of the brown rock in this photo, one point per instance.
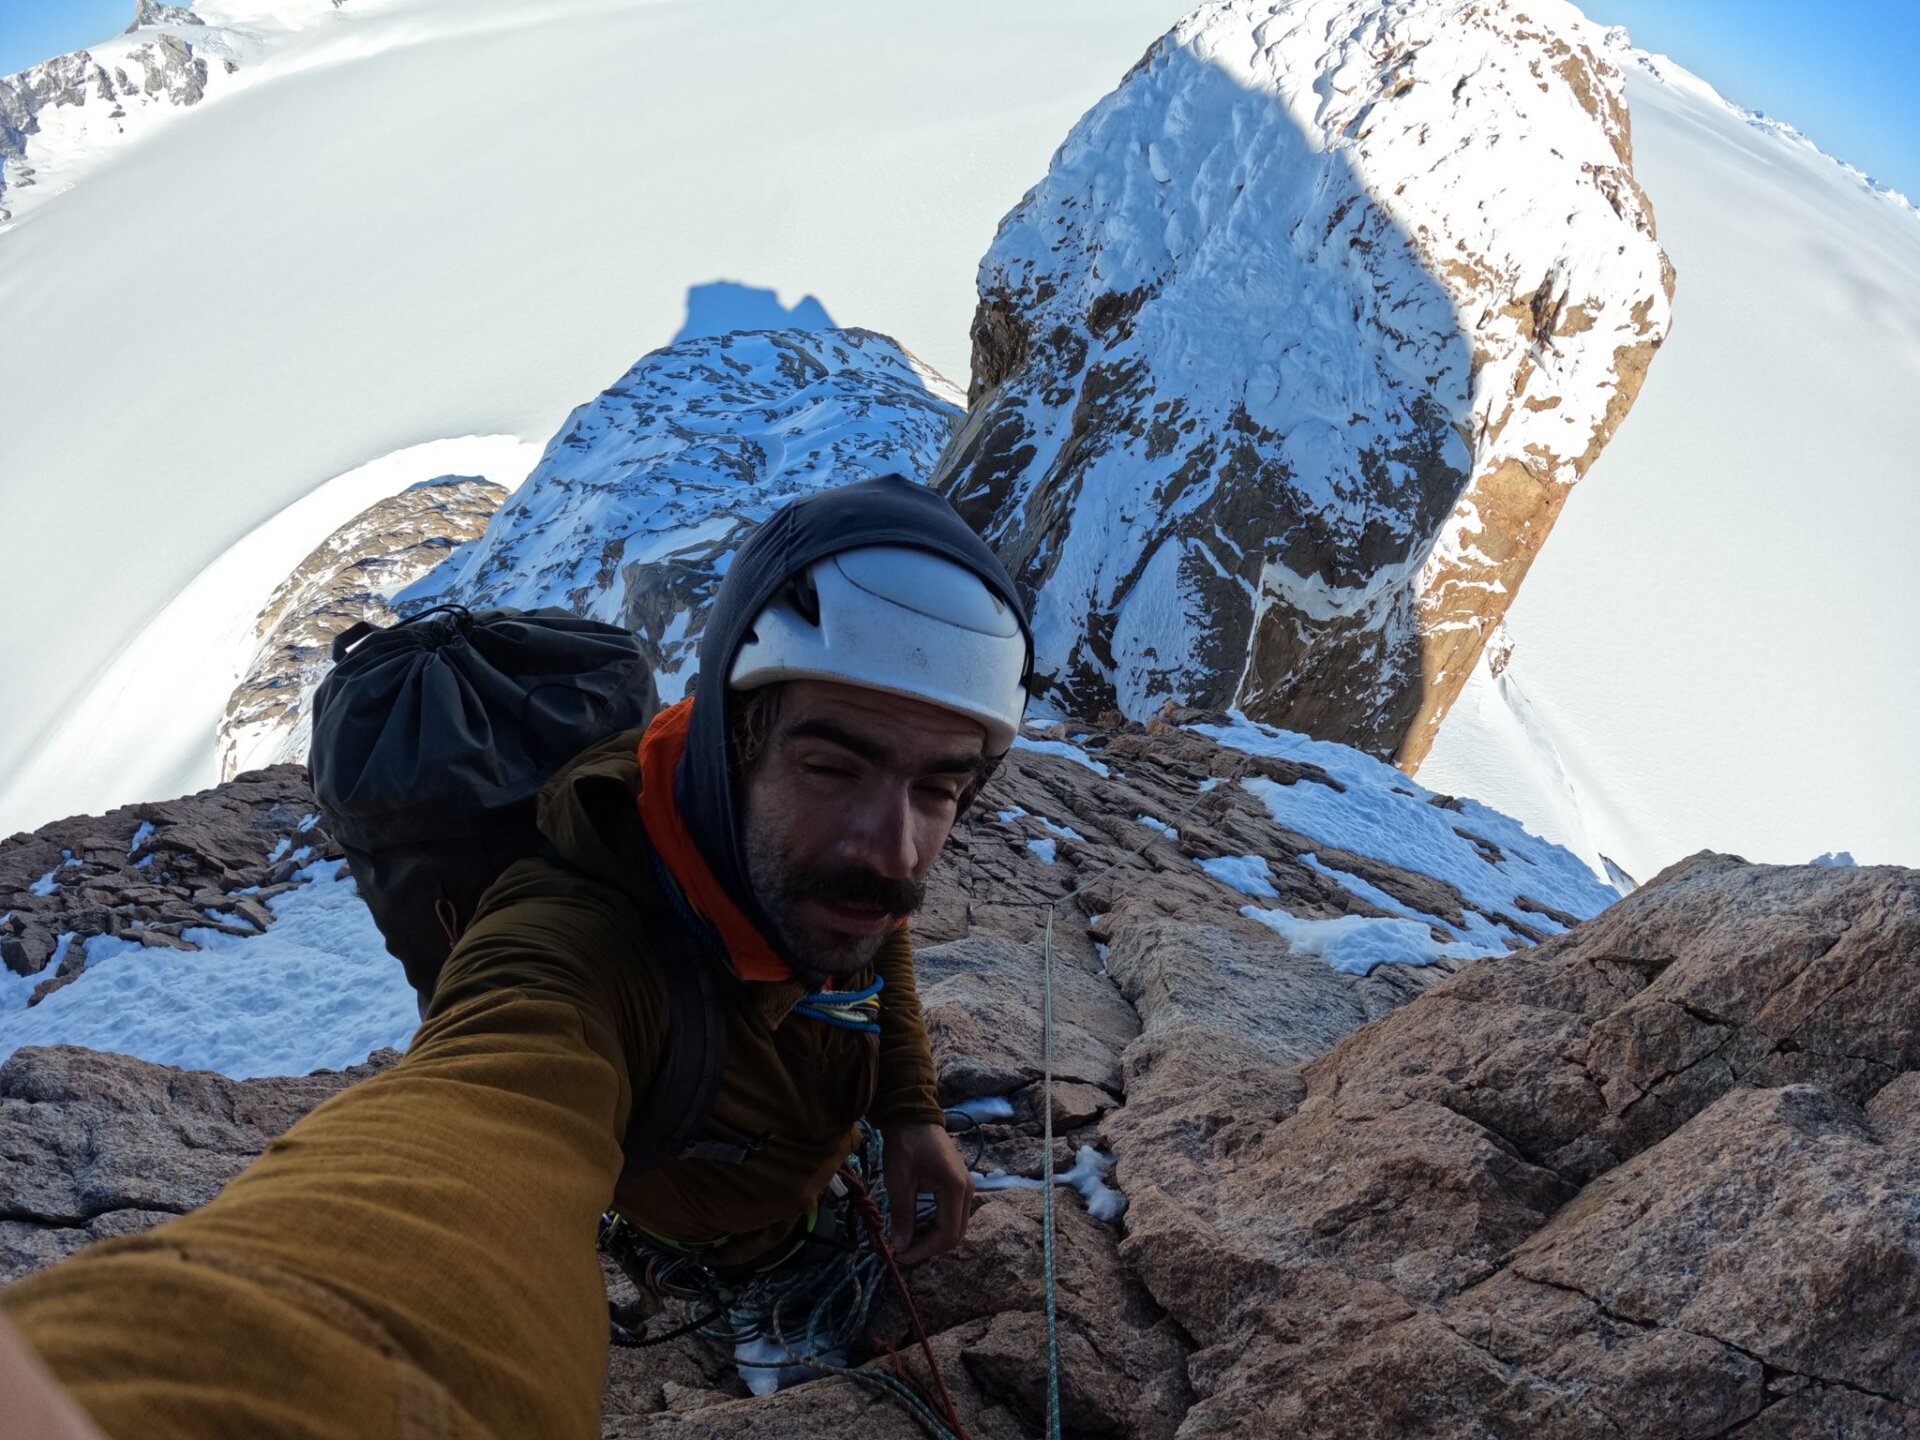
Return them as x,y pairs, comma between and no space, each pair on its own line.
983,1003
1653,1178
344,581
100,1144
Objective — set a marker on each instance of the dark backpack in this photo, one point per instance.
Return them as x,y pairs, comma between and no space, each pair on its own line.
431,742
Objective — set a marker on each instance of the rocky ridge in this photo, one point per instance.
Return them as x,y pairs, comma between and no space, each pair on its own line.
1653,1175
346,579
154,872
1280,375
61,115
646,491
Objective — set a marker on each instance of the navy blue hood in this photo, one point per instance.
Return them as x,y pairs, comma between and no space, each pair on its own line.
887,510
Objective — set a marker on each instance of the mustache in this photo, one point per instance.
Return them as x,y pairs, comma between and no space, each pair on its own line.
857,887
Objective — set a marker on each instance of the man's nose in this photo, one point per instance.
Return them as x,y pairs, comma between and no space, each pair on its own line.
882,835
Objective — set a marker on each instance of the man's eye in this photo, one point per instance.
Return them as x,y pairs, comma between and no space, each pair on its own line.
817,767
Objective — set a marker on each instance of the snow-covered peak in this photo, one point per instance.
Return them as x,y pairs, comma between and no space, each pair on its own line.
647,490
1283,371
60,118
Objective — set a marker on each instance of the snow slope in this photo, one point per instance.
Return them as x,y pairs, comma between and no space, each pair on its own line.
316,991
145,728
426,218
1720,647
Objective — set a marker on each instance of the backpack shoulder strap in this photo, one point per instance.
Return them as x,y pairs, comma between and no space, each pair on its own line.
667,1120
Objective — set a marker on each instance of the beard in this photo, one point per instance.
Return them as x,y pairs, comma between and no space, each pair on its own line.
783,888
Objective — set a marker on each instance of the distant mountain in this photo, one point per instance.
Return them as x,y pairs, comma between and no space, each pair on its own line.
60,118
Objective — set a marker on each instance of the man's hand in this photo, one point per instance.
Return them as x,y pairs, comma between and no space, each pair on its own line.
920,1159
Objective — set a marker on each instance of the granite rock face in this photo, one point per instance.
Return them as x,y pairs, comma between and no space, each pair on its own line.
104,1145
346,579
1654,1176
1281,375
1632,1182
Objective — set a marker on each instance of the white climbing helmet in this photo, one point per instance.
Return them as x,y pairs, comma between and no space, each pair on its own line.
892,618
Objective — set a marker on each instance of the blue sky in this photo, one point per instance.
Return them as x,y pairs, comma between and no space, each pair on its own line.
1839,70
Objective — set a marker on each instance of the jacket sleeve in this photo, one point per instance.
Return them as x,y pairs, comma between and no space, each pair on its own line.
414,1258
908,1090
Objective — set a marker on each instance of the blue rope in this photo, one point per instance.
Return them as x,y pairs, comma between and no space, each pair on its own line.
845,1009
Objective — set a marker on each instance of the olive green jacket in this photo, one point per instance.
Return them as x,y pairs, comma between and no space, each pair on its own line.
416,1258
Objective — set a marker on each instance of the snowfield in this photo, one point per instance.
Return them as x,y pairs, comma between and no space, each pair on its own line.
317,991
145,728
428,218
1716,648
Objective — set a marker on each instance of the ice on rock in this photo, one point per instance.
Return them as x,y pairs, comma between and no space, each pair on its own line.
987,1107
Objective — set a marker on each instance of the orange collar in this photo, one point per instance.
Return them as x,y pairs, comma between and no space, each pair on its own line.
660,750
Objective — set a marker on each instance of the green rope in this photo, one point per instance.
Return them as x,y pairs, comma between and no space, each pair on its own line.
1046,1105
1046,1188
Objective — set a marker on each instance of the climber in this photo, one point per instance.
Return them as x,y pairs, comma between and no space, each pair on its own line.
417,1256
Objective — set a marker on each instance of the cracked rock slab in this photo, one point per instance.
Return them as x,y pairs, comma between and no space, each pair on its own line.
100,1145
1656,1178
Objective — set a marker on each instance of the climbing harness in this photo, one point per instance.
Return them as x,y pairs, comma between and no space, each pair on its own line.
811,1299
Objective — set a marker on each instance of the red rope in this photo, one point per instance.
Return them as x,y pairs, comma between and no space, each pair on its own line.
877,1237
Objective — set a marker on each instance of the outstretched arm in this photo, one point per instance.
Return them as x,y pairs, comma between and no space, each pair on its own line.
414,1258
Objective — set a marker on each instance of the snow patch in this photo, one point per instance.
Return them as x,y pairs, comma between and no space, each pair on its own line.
1354,944
1249,874
316,991
1088,1175
987,1107
1065,751
1489,858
